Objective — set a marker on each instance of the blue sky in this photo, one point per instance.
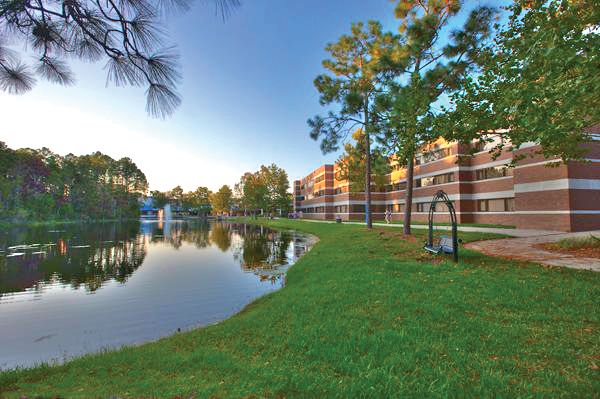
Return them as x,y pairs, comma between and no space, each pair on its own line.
247,93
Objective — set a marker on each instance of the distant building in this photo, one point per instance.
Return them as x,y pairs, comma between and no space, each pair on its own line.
484,190
147,209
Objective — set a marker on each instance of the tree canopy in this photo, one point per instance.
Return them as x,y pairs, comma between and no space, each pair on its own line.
265,189
42,185
540,81
222,200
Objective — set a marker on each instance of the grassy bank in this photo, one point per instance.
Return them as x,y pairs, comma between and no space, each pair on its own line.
368,314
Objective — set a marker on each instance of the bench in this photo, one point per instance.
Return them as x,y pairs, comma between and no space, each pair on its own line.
444,245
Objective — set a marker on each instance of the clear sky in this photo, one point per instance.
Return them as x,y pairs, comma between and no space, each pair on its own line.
247,93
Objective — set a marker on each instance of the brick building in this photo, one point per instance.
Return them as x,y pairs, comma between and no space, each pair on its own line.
534,194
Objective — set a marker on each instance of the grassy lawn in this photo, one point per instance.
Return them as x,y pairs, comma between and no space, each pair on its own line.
368,314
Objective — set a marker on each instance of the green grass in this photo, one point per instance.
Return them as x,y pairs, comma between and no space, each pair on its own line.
368,314
577,243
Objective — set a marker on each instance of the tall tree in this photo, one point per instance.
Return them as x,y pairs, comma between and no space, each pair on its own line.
198,200
221,201
252,192
277,184
540,82
176,195
265,189
356,77
432,61
127,34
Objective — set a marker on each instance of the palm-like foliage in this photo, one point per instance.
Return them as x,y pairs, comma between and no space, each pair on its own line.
127,34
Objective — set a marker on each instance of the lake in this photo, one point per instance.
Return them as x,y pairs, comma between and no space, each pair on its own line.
78,289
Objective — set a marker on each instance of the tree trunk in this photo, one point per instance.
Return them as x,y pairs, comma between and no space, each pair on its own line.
410,171
368,220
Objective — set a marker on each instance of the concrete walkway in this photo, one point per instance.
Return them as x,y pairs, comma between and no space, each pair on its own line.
524,248
472,229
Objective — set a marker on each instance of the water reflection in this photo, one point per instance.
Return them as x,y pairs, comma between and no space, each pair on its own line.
79,256
89,256
148,279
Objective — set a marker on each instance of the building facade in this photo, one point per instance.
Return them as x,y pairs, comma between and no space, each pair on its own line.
536,193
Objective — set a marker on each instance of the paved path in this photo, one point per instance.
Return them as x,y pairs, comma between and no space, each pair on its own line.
524,249
507,232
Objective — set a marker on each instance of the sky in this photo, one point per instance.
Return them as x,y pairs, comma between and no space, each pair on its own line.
247,93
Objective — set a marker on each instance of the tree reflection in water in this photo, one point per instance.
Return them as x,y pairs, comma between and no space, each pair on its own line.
262,251
88,256
79,256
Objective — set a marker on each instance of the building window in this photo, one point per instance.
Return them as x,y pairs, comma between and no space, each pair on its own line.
320,179
338,190
319,193
320,209
435,180
395,187
395,208
432,155
423,207
400,186
357,208
496,205
509,204
440,207
493,172
341,209
487,145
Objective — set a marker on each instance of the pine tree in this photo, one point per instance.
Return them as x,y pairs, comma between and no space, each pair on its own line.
355,80
430,61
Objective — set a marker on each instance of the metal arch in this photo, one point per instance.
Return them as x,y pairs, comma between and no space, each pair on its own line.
442,196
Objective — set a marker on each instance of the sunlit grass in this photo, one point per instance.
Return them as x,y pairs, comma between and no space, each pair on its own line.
368,314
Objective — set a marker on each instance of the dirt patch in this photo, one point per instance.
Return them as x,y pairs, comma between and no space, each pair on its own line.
585,252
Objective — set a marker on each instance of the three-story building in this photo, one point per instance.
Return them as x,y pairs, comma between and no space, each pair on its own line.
533,193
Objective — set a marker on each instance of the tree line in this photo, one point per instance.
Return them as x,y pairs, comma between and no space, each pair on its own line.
533,78
42,185
265,190
201,201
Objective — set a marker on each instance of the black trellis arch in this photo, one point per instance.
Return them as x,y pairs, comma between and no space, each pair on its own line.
442,196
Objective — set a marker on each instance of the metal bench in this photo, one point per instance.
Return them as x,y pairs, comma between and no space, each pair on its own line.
444,245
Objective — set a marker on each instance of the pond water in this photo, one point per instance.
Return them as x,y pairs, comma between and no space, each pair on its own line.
80,288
